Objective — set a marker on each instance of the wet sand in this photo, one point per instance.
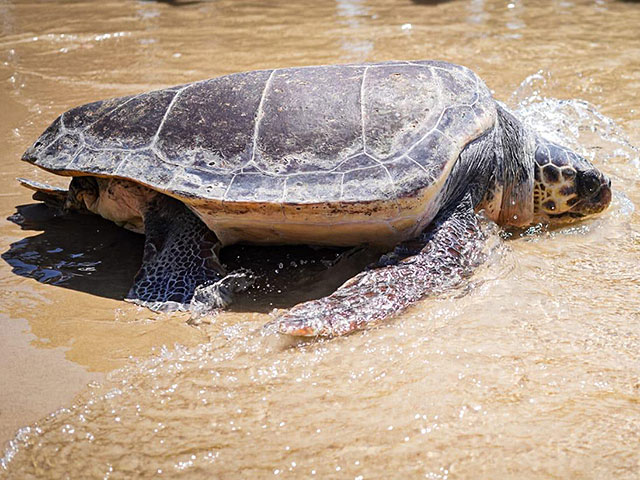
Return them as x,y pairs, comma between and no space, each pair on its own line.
531,370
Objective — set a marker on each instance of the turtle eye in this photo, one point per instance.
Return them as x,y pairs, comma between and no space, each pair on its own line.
588,182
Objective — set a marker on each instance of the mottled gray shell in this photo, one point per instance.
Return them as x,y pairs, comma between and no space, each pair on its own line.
352,133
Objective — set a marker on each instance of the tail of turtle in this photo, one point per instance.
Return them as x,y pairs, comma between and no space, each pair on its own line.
53,197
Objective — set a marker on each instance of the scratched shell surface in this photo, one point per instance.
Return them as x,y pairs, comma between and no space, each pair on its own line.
350,133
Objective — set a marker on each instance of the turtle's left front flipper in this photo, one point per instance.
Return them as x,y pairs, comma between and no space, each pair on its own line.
440,258
180,255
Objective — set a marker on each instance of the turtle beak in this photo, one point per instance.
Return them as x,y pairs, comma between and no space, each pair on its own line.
599,199
594,188
603,198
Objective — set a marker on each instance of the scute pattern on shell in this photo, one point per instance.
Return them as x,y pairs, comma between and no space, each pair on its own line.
349,133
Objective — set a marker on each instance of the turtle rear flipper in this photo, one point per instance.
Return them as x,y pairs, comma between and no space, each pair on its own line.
451,247
179,256
53,197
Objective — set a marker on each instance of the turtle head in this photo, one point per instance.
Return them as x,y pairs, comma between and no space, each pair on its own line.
539,181
566,186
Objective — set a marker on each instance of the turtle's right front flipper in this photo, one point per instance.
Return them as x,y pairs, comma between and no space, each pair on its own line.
180,254
439,259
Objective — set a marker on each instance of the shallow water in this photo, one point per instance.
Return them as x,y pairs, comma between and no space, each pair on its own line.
532,369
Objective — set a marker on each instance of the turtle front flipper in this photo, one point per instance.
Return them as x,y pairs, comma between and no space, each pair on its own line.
179,256
448,251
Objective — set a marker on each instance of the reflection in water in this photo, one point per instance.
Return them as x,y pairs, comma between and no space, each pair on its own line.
80,252
514,17
151,29
287,275
477,12
6,18
88,254
352,14
177,3
429,2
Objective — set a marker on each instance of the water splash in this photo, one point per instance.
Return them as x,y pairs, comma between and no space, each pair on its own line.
575,123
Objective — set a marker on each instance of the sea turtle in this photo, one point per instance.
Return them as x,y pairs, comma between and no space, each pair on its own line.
397,154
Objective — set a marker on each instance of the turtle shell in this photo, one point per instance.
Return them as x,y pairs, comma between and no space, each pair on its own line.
332,138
